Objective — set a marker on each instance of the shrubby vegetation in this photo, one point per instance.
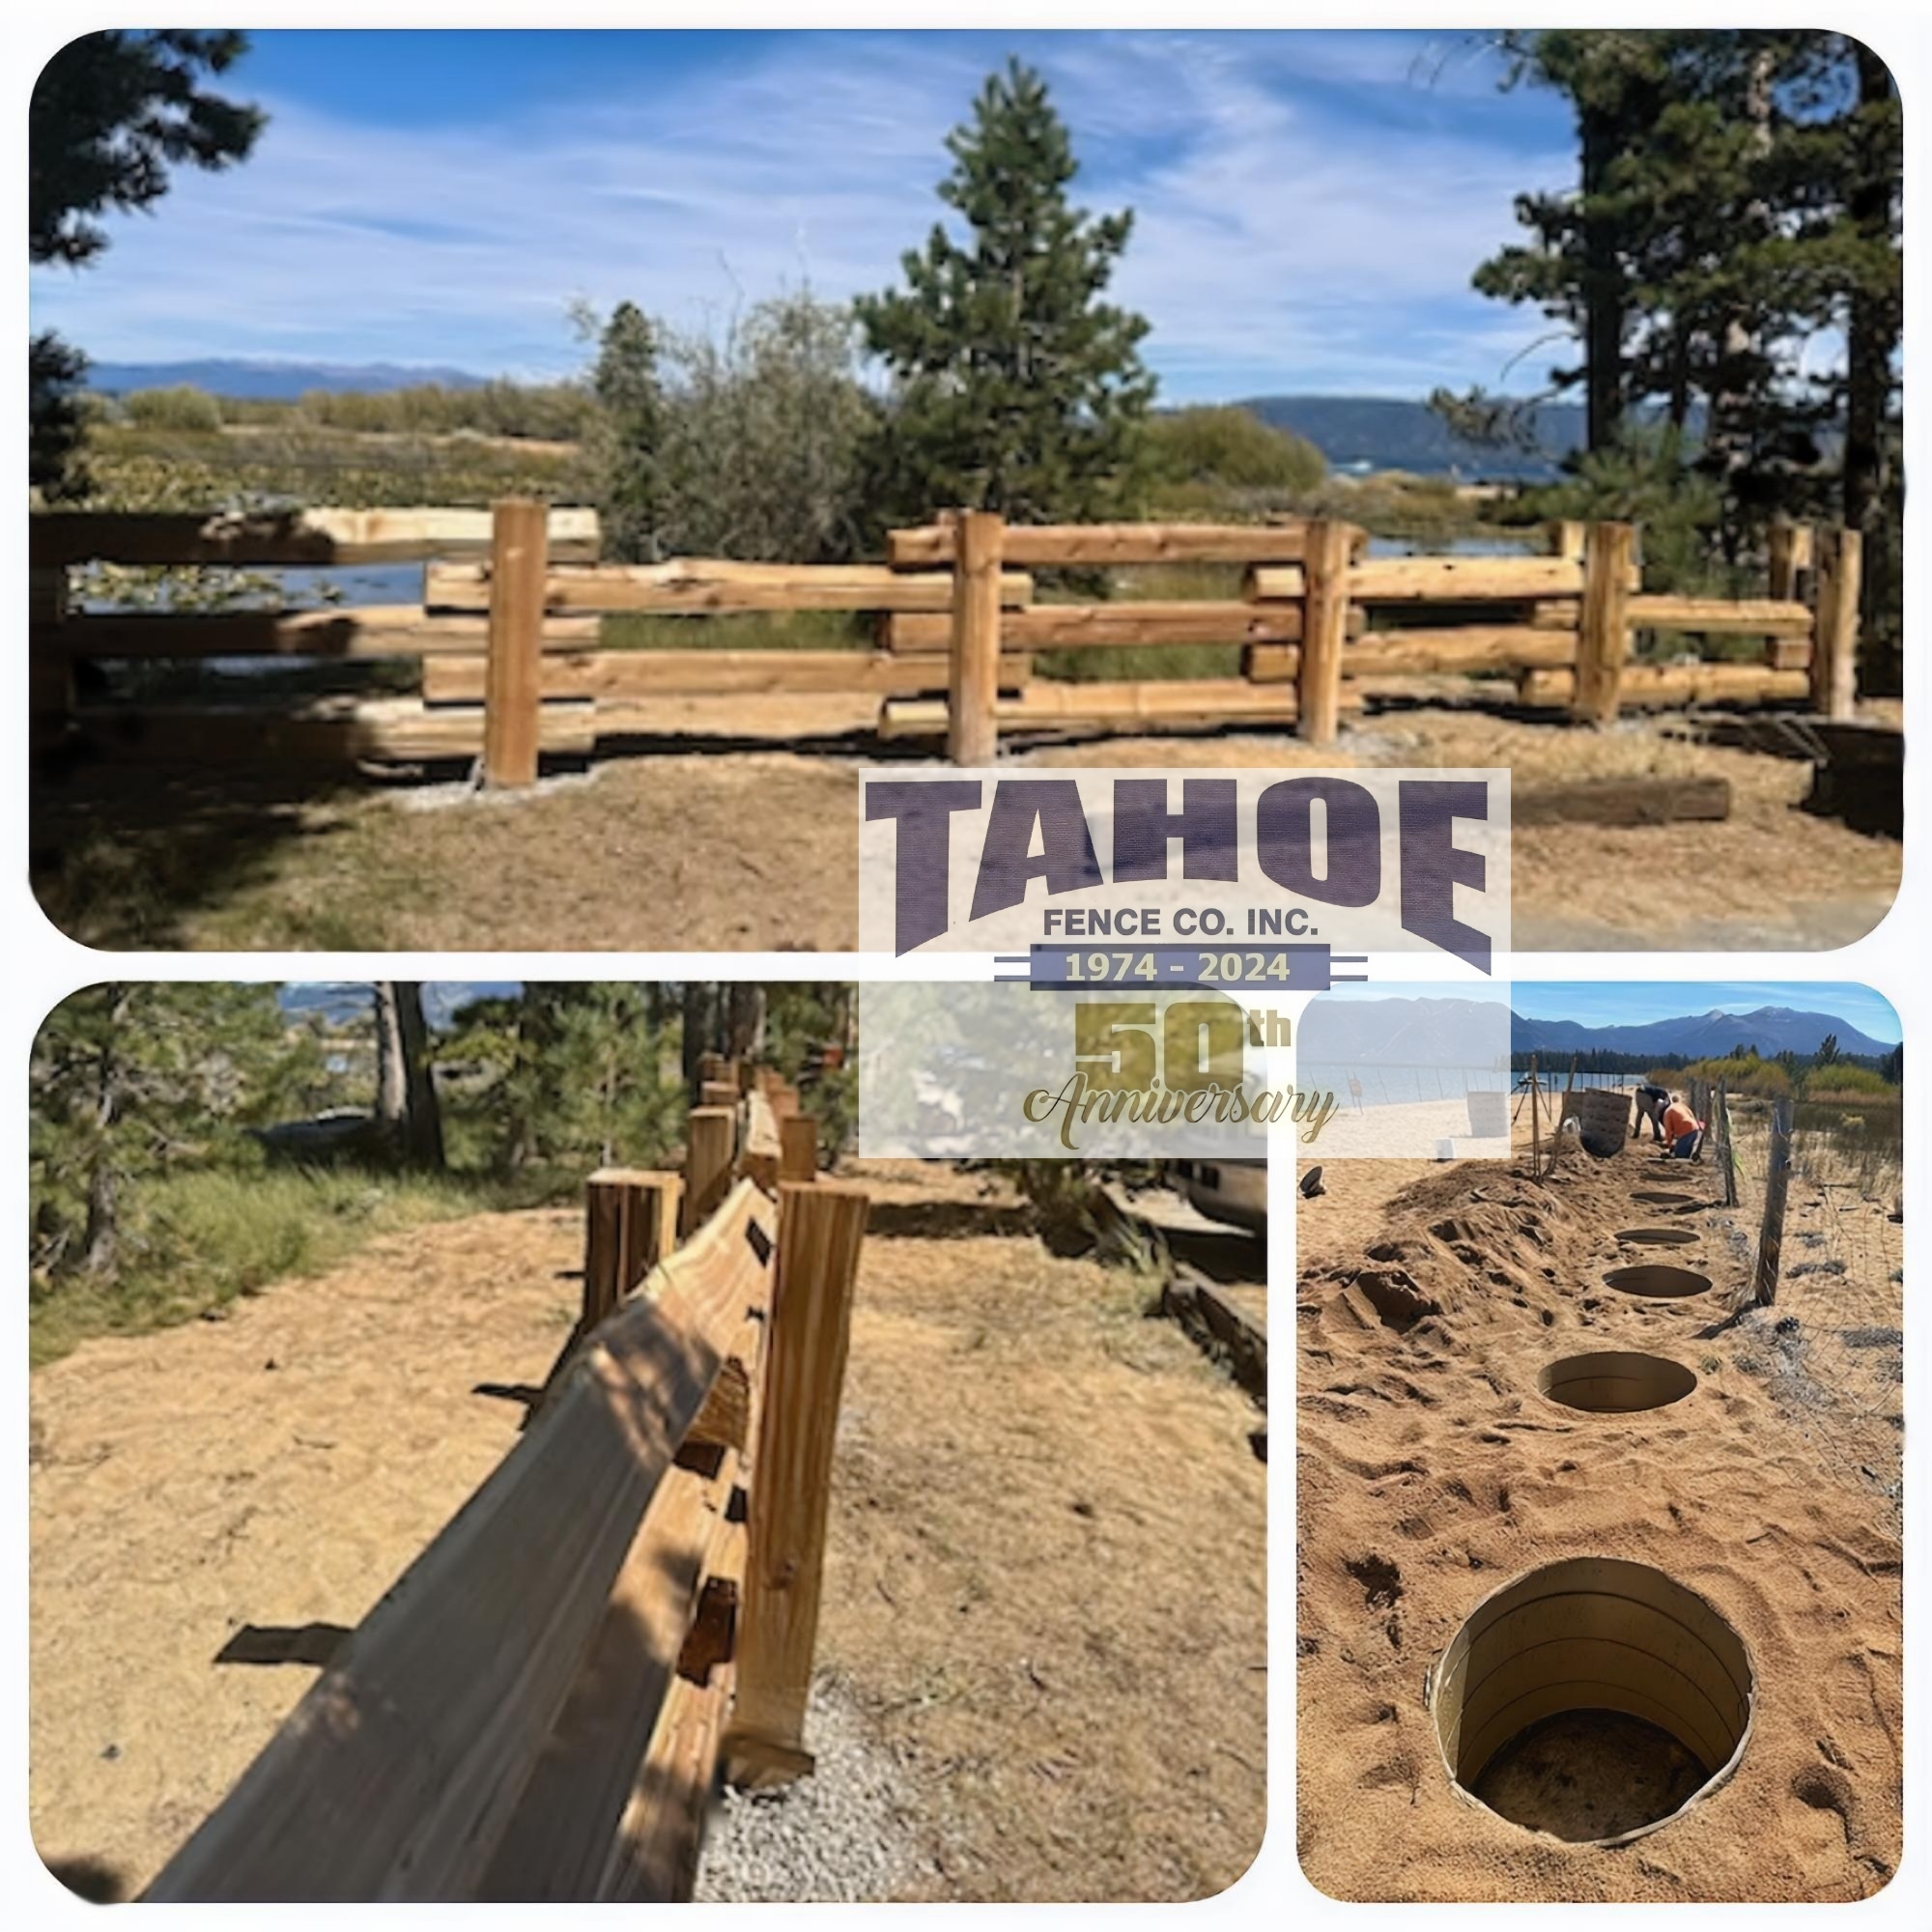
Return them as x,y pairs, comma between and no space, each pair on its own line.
1228,449
190,1142
1821,1076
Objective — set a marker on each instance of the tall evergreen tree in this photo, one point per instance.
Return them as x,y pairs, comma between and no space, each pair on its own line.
628,445
1016,386
111,114
1737,197
127,1078
578,1073
408,1112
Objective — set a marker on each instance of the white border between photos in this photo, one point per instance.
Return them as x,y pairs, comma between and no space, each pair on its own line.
45,967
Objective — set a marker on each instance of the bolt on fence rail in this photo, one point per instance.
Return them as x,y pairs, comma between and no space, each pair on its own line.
539,1707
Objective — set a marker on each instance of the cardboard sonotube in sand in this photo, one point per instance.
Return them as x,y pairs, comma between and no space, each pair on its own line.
1657,1281
1593,1634
1658,1237
1615,1383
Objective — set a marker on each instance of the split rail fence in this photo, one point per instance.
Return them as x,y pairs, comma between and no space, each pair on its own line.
509,632
540,1706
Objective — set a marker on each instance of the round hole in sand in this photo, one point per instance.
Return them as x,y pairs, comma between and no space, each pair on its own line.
1611,1383
1659,1281
1658,1237
1594,1700
1657,1196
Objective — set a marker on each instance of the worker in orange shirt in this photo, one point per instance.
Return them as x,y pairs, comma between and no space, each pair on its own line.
1683,1130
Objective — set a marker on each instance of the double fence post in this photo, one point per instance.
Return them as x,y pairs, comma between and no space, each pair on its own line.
821,1229
973,692
1603,632
630,1225
1835,646
513,671
1326,561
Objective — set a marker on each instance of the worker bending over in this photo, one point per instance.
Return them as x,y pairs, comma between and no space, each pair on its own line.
1683,1130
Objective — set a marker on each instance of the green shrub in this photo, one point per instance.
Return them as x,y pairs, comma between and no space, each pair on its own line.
183,406
1231,446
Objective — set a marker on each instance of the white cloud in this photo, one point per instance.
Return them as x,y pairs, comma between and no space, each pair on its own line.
1284,239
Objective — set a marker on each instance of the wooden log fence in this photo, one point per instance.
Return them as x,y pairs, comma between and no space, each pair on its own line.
514,664
542,1705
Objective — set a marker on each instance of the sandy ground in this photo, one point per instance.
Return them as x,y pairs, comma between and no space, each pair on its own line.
1047,1538
1430,1473
753,850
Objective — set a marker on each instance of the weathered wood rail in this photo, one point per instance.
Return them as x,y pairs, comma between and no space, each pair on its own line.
541,1706
510,633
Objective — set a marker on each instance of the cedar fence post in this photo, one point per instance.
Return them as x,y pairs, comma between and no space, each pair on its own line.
513,670
1535,1126
1602,638
1776,1181
973,731
798,1149
630,1225
1834,649
1566,538
1326,561
1789,557
821,1229
710,1150
1725,1152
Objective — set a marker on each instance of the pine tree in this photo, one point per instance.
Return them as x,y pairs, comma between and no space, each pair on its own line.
1016,386
577,1075
408,1113
111,114
128,1079
629,438
1737,197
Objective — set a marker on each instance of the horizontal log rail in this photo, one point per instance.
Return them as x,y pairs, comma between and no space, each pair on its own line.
358,631
1113,626
318,536
1747,616
528,649
540,1707
1670,685
715,587
631,674
1069,544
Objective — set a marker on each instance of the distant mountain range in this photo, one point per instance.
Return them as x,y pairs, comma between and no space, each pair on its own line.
275,382
1449,1032
1388,433
1353,432
1772,1030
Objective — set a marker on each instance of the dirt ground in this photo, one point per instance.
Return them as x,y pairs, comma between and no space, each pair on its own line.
1429,1297
754,849
1047,1538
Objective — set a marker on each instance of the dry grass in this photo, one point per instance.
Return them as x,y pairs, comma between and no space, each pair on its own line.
757,850
1045,1579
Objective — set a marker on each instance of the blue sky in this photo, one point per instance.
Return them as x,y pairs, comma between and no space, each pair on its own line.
1633,1003
1309,205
